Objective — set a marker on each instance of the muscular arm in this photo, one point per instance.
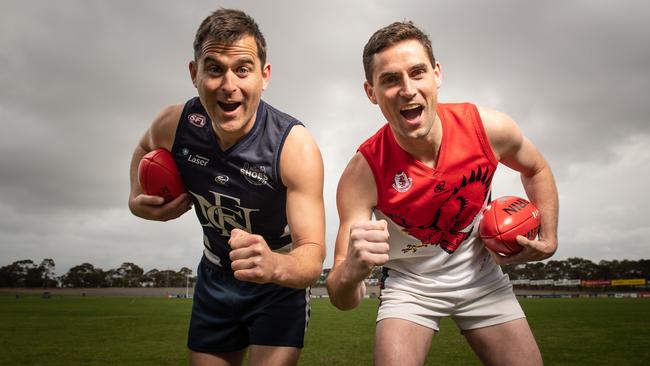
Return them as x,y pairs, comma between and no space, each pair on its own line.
360,243
301,167
517,152
160,134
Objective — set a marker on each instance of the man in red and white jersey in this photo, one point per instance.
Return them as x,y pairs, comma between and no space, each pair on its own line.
426,175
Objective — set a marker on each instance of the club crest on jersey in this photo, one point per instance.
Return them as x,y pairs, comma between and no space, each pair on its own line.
401,182
255,175
197,120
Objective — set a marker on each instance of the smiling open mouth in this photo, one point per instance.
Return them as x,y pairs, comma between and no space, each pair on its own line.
229,107
411,112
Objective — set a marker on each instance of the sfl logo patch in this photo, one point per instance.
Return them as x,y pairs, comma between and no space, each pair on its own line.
197,120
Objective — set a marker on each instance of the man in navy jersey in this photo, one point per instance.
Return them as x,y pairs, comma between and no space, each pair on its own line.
426,175
255,178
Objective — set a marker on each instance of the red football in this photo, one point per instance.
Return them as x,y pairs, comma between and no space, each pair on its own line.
159,176
504,219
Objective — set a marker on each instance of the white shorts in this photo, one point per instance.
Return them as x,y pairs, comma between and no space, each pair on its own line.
470,308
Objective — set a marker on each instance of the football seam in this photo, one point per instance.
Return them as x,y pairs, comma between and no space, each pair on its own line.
518,225
175,174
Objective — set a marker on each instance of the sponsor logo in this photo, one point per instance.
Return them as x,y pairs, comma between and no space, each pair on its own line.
401,182
221,179
223,213
198,159
255,175
197,120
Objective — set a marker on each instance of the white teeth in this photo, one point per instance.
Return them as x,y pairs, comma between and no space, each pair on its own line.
409,107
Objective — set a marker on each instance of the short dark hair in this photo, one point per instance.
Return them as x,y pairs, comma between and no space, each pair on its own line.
229,26
390,35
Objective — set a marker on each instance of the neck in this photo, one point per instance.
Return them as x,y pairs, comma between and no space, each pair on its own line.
425,148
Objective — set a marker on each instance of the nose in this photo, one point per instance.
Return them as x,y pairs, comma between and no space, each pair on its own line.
228,82
407,90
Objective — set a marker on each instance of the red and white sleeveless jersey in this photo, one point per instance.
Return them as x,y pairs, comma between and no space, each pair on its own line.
433,212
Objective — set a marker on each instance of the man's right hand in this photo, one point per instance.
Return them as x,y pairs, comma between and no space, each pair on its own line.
368,247
154,207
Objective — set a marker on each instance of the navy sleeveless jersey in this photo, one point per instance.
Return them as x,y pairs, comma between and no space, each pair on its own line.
237,188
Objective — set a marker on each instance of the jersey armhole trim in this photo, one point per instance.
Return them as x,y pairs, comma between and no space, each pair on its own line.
481,133
180,127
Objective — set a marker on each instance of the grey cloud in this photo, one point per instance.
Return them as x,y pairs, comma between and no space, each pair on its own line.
81,81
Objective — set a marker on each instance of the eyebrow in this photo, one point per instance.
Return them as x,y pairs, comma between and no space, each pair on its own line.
421,65
242,60
386,74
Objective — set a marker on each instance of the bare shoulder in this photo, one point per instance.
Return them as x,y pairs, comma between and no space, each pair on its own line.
502,131
163,128
358,167
300,159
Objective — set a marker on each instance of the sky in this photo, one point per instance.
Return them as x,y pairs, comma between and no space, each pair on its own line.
81,81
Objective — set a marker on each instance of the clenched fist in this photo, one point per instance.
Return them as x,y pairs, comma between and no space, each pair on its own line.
368,247
252,259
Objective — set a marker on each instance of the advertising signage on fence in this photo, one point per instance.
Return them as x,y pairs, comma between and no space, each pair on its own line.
591,283
541,282
565,282
520,282
629,282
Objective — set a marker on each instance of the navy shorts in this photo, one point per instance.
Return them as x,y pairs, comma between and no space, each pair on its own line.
229,315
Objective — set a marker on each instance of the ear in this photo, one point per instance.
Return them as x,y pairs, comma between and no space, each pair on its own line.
370,92
266,75
437,74
193,71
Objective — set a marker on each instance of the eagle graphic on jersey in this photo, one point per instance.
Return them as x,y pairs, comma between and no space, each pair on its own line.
452,221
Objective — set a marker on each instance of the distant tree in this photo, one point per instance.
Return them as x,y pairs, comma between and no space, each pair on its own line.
9,276
149,277
17,273
169,278
187,275
579,268
515,271
629,269
84,275
534,271
49,279
131,274
644,267
555,270
34,277
606,270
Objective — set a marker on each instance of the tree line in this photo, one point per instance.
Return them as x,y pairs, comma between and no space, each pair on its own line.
579,268
26,273
571,268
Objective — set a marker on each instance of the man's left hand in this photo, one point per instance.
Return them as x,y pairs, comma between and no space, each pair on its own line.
252,259
534,250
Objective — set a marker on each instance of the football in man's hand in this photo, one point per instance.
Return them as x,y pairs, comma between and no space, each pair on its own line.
159,175
504,219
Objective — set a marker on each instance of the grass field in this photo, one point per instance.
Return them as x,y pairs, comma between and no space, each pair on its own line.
75,330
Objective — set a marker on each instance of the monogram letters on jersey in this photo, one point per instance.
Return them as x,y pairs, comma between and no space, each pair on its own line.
225,213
